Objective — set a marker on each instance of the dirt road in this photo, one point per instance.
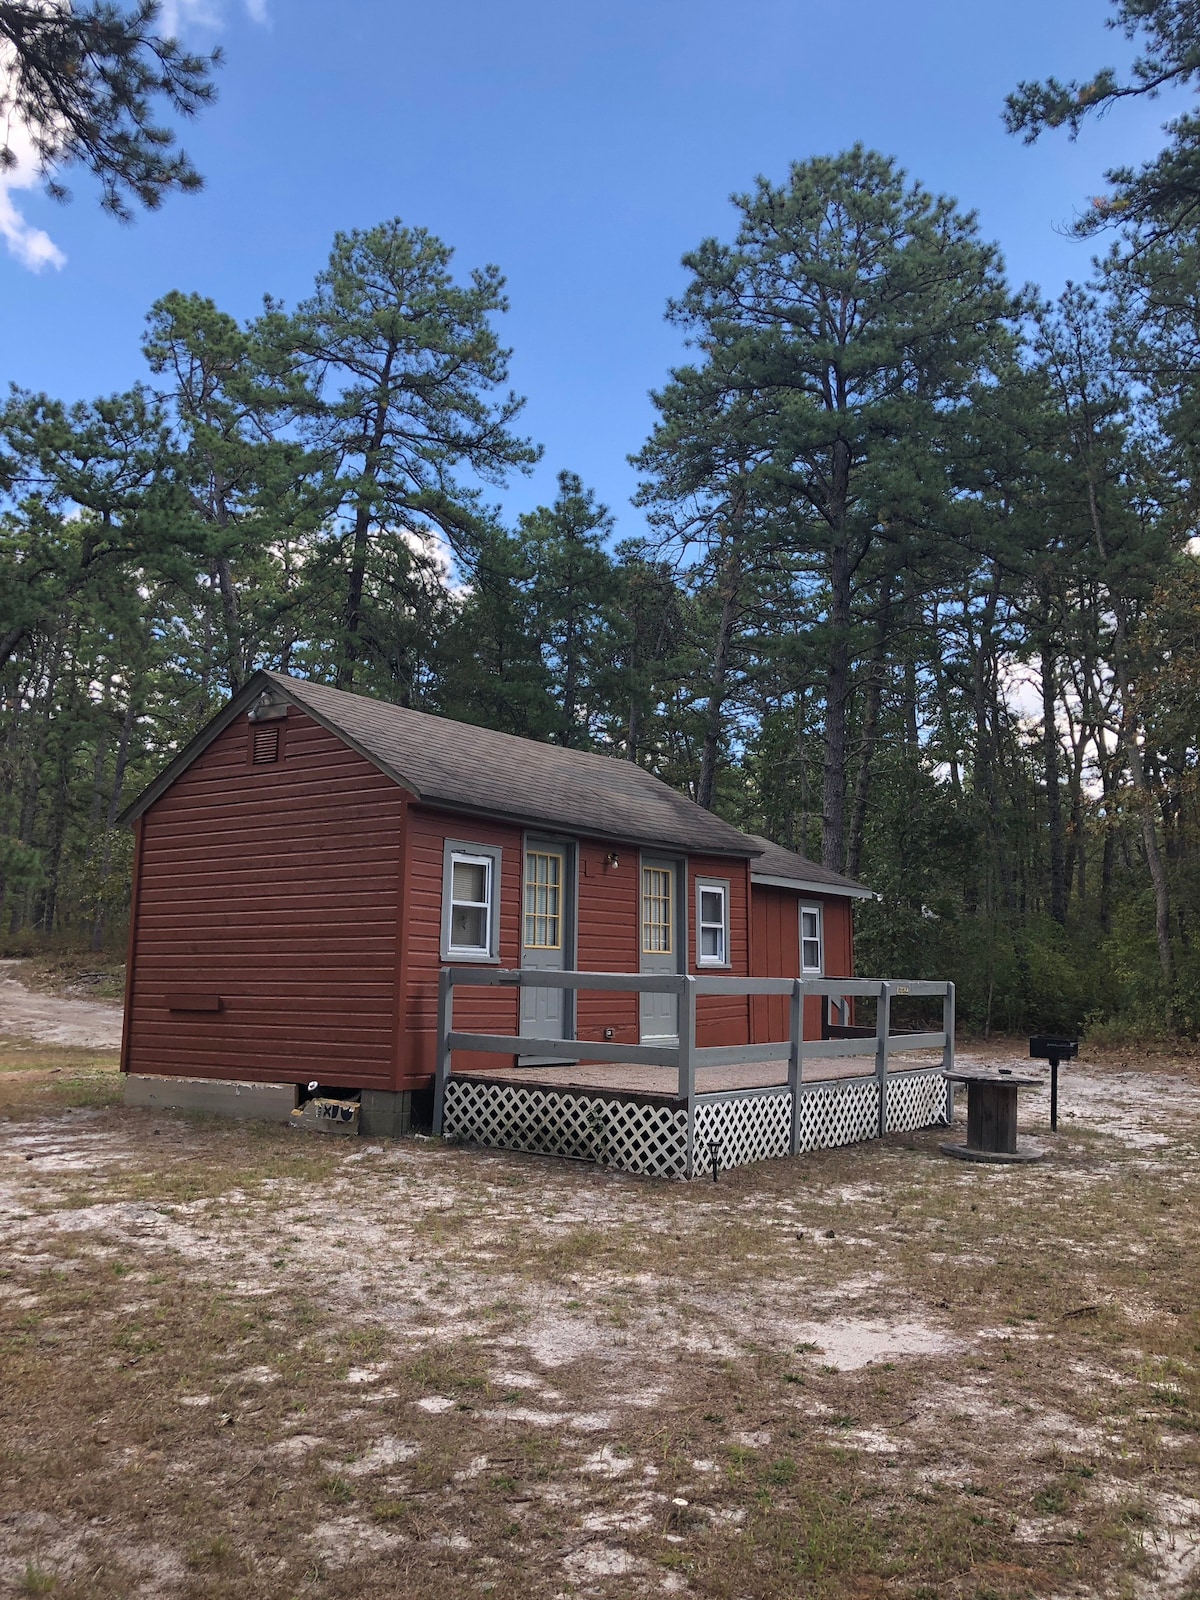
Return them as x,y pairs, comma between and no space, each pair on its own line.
49,1019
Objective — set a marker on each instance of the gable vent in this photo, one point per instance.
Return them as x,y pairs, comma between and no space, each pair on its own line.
264,746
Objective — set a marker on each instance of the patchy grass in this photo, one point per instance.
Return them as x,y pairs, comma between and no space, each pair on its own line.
278,1365
37,1078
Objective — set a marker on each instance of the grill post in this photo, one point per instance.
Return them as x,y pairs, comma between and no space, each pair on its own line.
1053,1094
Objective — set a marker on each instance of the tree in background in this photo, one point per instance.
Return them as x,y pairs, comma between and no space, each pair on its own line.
82,80
1163,195
849,320
489,666
403,369
94,490
253,494
572,585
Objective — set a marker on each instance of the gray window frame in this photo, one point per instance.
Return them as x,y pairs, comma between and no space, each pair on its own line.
723,884
465,849
819,969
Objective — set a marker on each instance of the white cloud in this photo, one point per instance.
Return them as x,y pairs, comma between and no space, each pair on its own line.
33,247
180,16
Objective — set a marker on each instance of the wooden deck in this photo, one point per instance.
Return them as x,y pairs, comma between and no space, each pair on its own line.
661,1083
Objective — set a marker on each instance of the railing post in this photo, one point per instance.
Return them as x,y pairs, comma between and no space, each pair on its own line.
445,1019
883,1027
796,1059
687,1063
948,1048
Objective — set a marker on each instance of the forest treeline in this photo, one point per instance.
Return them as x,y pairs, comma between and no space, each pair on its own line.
917,593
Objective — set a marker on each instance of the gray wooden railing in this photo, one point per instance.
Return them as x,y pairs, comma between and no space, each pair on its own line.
684,1054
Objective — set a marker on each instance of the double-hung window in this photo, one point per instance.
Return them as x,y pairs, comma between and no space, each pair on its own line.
712,924
470,894
811,954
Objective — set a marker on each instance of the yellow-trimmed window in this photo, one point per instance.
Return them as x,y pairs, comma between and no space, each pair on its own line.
656,910
543,900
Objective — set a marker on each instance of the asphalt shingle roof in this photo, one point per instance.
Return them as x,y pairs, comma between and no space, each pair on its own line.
477,769
776,862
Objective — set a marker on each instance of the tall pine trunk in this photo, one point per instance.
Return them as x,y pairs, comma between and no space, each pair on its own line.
870,734
1127,733
1052,760
730,590
837,679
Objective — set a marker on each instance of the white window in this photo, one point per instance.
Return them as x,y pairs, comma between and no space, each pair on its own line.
811,954
470,886
712,924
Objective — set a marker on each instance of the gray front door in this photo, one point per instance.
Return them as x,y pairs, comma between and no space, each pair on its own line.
663,942
547,941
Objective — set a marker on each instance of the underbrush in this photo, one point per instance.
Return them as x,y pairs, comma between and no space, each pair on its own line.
74,974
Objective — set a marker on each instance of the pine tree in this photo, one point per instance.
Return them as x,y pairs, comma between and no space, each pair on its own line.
403,367
80,81
572,584
843,332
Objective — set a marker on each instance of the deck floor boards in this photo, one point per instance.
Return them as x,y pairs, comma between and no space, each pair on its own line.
620,1078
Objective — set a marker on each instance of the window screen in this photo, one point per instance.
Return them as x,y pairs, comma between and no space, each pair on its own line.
810,939
471,904
712,924
543,900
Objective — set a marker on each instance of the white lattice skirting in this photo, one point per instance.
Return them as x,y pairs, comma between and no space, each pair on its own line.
634,1136
917,1100
754,1127
627,1134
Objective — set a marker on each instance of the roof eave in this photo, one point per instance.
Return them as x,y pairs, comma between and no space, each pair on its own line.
849,891
629,840
195,747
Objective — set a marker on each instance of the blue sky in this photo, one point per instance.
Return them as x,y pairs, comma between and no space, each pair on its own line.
583,148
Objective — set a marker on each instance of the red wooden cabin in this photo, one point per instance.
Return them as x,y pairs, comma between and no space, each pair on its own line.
306,866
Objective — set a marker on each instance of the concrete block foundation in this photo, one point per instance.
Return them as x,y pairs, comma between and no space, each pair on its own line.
265,1102
384,1114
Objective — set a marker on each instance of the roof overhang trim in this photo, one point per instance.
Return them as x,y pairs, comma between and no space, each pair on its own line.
800,886
624,840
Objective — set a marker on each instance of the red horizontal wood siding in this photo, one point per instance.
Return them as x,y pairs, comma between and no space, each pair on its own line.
775,926
307,895
608,938
275,887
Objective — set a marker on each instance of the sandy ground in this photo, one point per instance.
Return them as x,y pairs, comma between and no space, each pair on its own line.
50,1019
535,1379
